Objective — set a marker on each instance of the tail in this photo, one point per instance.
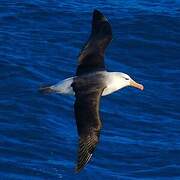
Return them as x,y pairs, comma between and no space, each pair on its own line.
46,90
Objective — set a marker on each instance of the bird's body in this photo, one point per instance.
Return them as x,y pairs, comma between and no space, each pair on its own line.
88,85
113,81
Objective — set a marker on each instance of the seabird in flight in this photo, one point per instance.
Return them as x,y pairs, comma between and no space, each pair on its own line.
90,83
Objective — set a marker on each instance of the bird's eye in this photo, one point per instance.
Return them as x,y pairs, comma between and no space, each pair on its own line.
126,78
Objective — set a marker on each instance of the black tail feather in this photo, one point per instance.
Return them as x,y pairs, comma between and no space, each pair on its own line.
45,90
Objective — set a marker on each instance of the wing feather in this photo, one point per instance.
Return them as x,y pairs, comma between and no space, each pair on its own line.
91,57
88,121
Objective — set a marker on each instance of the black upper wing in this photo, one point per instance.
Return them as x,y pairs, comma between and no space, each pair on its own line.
91,57
88,122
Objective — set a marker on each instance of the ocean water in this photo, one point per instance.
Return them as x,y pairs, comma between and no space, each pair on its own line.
39,44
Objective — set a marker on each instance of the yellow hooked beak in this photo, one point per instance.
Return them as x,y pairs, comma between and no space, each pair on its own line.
136,85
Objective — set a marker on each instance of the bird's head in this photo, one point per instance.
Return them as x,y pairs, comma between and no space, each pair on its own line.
126,80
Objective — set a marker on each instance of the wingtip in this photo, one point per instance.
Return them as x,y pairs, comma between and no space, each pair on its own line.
96,11
97,15
80,166
77,169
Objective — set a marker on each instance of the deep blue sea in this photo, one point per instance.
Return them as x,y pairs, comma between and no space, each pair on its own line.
39,44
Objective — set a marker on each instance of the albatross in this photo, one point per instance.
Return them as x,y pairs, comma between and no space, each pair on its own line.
91,81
